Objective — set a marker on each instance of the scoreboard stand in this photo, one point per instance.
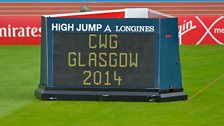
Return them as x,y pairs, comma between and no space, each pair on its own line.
151,95
123,55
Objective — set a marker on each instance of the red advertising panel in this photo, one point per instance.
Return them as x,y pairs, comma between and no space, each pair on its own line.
25,30
201,30
20,30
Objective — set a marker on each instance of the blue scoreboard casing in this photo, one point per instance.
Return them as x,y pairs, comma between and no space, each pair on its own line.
133,59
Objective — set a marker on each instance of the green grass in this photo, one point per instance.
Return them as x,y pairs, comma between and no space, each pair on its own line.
19,76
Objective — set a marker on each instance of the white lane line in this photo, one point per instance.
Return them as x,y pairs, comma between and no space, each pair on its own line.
61,6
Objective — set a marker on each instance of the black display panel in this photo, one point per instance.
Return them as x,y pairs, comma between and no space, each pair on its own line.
103,60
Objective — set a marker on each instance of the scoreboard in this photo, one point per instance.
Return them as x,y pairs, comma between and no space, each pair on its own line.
103,60
110,59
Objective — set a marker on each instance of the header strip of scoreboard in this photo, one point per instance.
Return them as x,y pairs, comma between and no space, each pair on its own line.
97,25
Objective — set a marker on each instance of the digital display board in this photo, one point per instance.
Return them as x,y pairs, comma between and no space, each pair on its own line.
131,59
110,60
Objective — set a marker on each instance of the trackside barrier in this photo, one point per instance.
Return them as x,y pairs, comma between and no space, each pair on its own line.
195,30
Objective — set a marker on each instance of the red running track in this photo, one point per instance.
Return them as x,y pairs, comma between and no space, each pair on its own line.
172,8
